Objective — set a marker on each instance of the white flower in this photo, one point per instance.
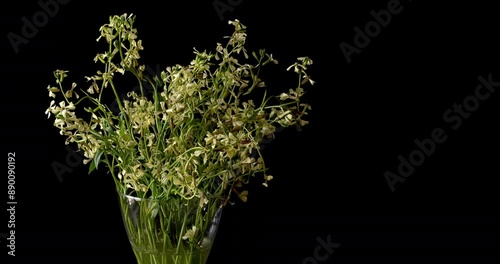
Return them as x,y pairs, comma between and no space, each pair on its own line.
190,233
305,60
284,96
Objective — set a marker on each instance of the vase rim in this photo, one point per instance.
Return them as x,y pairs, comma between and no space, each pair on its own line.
128,196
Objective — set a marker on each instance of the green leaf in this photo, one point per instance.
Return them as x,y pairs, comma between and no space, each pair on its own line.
97,158
255,55
262,53
92,167
153,208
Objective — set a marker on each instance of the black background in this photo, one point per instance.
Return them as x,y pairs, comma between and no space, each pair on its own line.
329,178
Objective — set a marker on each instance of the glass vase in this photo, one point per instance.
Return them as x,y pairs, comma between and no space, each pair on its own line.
170,231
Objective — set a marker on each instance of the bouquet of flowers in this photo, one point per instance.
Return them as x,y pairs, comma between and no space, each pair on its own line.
190,136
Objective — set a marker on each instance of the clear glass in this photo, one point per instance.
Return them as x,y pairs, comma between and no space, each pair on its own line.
172,231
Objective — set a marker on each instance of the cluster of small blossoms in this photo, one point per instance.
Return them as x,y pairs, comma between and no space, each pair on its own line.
197,134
